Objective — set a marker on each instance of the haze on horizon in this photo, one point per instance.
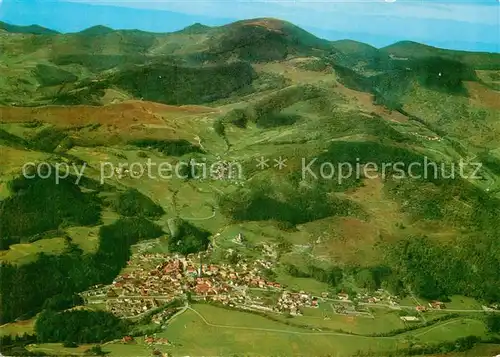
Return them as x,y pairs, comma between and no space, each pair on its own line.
472,25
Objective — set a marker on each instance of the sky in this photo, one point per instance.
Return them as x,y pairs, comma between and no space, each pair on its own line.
458,24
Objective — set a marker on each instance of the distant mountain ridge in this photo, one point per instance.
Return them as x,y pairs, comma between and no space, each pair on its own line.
404,47
32,29
76,68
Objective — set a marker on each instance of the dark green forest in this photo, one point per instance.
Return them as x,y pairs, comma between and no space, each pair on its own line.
132,203
26,288
38,205
78,326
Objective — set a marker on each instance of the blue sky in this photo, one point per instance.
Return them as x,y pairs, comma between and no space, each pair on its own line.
457,24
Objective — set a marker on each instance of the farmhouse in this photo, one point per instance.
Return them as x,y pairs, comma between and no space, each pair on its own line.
409,318
438,305
421,308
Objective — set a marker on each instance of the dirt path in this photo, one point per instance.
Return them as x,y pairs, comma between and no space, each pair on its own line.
199,219
178,313
442,325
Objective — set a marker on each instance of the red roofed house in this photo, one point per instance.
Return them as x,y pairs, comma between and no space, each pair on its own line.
438,305
127,339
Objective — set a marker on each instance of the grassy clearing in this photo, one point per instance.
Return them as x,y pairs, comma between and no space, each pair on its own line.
193,337
26,253
87,238
4,190
306,284
324,317
58,349
463,303
450,330
12,160
227,332
18,328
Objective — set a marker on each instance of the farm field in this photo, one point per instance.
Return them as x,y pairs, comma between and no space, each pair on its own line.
18,328
236,332
452,329
25,253
205,329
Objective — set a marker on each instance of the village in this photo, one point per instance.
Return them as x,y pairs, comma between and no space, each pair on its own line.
141,290
153,280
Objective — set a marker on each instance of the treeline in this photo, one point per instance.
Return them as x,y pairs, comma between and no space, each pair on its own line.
286,202
471,265
132,203
168,147
47,139
39,205
9,139
15,346
178,84
186,238
389,87
443,74
61,302
433,270
491,161
268,112
436,271
461,344
78,326
51,76
26,288
95,62
332,276
370,278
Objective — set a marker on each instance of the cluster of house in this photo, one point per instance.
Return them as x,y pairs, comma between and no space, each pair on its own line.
430,138
344,309
149,340
163,316
269,250
492,307
153,280
292,302
139,289
97,290
434,305
225,170
239,239
217,281
146,259
379,296
131,307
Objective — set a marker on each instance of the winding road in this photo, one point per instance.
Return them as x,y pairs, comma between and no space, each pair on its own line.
201,218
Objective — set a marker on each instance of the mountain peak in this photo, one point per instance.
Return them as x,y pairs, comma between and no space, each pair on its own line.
266,22
97,30
195,28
